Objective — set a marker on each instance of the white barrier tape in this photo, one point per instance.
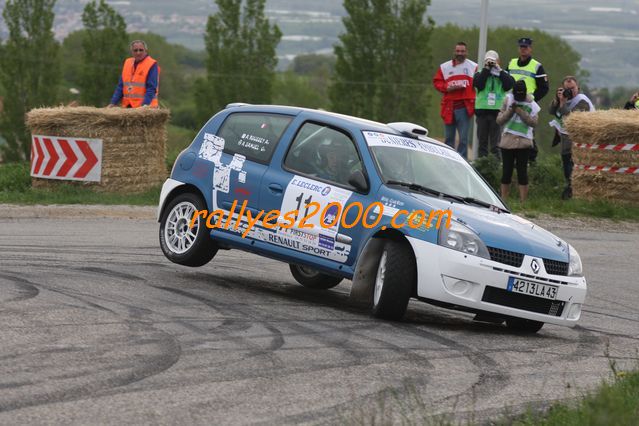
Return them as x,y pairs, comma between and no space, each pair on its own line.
608,169
618,147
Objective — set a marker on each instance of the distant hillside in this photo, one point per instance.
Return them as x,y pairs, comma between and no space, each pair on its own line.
603,35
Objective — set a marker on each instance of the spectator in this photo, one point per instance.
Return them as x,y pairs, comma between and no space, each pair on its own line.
454,79
533,73
139,81
491,85
633,103
518,115
567,99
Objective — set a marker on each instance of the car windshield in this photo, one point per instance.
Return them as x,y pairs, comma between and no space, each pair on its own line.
427,165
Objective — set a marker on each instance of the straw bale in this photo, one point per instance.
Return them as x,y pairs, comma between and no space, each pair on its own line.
133,143
604,127
599,157
609,186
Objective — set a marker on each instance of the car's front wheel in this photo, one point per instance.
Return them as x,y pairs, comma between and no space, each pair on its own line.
312,278
189,246
395,280
521,325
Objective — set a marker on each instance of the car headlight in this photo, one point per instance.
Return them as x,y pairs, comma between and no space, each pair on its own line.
461,238
574,266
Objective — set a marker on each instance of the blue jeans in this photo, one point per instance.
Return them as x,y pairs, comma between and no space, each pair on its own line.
461,123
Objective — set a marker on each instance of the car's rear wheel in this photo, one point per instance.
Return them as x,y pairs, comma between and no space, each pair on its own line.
312,278
179,243
395,280
521,325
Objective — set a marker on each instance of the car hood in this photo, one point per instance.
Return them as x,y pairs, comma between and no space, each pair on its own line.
505,231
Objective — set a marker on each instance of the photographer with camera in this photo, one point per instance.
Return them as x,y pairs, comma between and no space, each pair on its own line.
491,85
567,99
518,115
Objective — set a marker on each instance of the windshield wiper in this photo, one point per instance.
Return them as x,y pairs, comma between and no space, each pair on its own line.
471,200
458,198
416,187
425,190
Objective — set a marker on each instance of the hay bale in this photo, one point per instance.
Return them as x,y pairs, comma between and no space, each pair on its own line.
612,126
601,157
133,142
608,186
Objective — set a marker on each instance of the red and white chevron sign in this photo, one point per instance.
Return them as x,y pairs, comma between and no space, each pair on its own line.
55,157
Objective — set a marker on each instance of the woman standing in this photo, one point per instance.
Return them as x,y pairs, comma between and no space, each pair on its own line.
518,115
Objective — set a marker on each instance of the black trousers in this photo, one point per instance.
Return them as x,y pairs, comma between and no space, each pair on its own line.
566,161
510,157
488,132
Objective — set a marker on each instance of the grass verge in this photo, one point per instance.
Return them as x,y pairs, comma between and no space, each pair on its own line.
615,403
15,188
603,209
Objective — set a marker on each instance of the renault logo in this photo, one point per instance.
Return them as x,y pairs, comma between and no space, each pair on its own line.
534,265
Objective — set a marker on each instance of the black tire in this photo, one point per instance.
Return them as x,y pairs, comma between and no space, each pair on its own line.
202,249
523,326
312,278
395,280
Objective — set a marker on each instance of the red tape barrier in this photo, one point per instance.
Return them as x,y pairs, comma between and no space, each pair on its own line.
608,169
618,147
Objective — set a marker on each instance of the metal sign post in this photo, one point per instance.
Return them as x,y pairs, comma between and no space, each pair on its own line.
483,35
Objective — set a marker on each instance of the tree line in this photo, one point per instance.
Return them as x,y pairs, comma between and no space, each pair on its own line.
381,69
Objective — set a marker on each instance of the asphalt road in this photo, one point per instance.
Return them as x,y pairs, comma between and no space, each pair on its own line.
97,326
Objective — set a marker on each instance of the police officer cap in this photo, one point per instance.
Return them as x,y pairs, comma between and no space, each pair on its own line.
525,41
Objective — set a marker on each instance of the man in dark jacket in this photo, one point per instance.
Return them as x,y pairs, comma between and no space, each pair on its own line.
491,85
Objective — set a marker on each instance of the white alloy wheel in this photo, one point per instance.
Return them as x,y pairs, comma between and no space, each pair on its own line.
177,234
379,279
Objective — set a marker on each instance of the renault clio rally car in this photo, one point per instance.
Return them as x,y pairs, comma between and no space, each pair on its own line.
293,160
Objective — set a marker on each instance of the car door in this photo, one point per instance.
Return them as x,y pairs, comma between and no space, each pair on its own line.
310,183
241,151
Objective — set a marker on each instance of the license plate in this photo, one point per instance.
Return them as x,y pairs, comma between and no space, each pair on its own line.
546,291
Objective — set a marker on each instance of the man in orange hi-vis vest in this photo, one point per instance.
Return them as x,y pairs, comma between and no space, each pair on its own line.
140,80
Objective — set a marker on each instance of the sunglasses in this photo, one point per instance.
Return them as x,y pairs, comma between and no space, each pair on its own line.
138,50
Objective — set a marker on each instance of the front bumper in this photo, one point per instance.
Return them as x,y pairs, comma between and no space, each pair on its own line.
476,283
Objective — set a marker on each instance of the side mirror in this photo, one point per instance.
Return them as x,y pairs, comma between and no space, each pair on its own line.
358,181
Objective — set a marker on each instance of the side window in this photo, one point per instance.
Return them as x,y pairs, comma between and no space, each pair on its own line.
253,135
323,152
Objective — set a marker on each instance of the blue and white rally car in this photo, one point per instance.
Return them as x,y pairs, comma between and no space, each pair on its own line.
341,197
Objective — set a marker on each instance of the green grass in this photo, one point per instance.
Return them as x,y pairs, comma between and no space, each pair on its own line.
15,188
612,403
536,205
615,403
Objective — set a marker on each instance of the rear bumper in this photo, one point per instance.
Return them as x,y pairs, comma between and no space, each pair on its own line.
459,279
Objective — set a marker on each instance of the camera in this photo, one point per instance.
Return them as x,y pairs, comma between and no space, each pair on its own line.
567,93
490,64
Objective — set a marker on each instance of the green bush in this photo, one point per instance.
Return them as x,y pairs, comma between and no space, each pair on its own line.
490,168
546,176
15,177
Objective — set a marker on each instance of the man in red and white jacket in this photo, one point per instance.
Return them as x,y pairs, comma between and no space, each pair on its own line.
454,79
